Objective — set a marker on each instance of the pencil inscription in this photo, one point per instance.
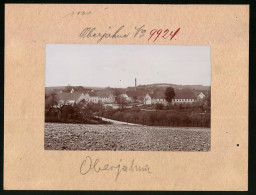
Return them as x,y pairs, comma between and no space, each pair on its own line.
90,165
78,13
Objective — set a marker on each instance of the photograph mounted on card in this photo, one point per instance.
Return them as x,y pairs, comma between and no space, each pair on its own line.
132,98
126,97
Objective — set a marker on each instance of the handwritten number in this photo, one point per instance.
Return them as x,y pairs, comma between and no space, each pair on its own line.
174,33
70,14
77,13
158,33
152,32
165,33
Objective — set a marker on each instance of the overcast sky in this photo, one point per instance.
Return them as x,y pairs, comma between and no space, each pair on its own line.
118,65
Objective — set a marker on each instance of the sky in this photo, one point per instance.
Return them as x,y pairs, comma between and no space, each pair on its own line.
118,65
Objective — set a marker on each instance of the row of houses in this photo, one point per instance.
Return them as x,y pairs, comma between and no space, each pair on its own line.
76,97
108,98
159,98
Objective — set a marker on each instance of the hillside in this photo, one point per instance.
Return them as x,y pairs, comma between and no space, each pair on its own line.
58,88
140,91
180,87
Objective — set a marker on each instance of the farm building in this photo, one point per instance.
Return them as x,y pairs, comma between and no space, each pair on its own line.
159,98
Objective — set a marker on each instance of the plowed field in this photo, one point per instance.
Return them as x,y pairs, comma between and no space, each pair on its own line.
60,136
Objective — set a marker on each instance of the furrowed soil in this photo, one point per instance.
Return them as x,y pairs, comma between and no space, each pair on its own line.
60,136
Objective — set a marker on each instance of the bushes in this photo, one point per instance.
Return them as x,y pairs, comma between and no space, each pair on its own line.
73,114
163,118
159,106
85,113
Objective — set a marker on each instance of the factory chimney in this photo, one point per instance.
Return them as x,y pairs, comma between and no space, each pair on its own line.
135,83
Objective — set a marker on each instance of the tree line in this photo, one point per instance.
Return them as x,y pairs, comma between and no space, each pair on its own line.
190,115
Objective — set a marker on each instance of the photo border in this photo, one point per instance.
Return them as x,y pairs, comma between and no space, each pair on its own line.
252,81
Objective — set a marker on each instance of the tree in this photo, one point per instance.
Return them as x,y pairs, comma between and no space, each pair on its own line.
186,120
159,106
117,92
128,117
79,88
109,111
118,116
68,88
135,117
169,94
121,101
51,100
170,119
153,118
208,99
162,117
144,120
176,119
199,105
181,106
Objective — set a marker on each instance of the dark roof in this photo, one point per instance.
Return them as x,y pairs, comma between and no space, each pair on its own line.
158,95
48,101
92,93
179,94
69,96
104,93
204,92
185,95
132,93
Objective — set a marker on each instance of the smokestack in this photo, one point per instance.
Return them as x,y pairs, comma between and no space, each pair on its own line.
135,83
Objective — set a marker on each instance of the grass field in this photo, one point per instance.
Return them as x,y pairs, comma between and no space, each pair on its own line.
60,136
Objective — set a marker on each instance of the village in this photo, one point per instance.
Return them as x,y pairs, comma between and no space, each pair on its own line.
149,101
113,98
120,118
130,98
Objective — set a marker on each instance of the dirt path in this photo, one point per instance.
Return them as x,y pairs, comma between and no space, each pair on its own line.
118,122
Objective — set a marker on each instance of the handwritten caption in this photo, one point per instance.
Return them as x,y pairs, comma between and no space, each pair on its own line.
121,33
90,165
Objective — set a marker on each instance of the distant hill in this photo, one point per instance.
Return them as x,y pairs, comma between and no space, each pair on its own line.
58,88
141,89
180,87
196,87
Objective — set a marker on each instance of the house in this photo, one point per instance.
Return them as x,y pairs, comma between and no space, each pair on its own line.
187,97
180,97
133,95
69,98
86,97
147,100
93,97
66,98
184,98
126,97
106,97
200,96
158,98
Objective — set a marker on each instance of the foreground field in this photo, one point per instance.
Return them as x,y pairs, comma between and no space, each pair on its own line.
59,136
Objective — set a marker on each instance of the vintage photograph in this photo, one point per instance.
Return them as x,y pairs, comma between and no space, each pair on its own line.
127,97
